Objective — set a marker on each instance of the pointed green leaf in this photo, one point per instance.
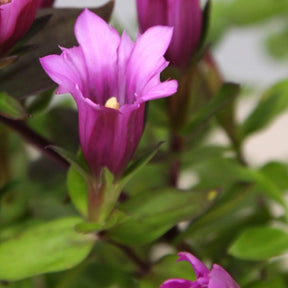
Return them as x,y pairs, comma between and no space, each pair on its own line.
137,165
43,248
274,103
260,243
117,217
40,102
11,108
153,213
225,95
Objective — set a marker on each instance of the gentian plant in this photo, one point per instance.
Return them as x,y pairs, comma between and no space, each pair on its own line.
109,164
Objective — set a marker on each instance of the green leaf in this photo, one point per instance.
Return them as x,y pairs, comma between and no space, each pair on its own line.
277,42
274,103
40,102
79,165
43,248
276,282
260,243
225,95
117,217
11,108
78,190
153,213
137,165
58,31
278,173
228,14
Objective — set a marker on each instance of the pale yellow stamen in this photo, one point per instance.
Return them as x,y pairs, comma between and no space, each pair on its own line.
112,103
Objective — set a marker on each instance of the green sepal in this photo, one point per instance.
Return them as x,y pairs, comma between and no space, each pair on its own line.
116,218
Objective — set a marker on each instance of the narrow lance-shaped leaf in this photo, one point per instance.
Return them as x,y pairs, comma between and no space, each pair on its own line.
11,108
225,95
274,102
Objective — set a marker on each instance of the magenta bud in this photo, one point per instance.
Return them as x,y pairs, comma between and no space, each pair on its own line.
186,18
16,17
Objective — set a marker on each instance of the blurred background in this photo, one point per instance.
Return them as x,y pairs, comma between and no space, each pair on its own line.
251,52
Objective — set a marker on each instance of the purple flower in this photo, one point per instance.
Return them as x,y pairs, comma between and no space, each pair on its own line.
111,78
16,17
186,18
45,3
217,277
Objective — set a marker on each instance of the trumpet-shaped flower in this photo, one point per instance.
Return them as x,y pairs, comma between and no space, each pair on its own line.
217,277
111,78
16,17
186,18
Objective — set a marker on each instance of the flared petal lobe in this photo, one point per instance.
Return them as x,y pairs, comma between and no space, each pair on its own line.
186,18
16,17
106,68
217,277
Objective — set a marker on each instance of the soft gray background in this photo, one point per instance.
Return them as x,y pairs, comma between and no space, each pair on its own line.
242,59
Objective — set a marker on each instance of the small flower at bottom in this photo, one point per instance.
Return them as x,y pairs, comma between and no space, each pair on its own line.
111,78
217,277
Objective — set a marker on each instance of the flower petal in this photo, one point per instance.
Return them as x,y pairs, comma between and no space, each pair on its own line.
99,42
200,269
147,59
219,278
124,52
178,283
68,70
162,89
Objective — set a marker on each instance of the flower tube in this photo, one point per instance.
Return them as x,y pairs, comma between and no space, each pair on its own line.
217,277
186,18
16,17
111,78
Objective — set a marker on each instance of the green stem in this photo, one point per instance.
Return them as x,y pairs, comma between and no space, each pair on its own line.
95,200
